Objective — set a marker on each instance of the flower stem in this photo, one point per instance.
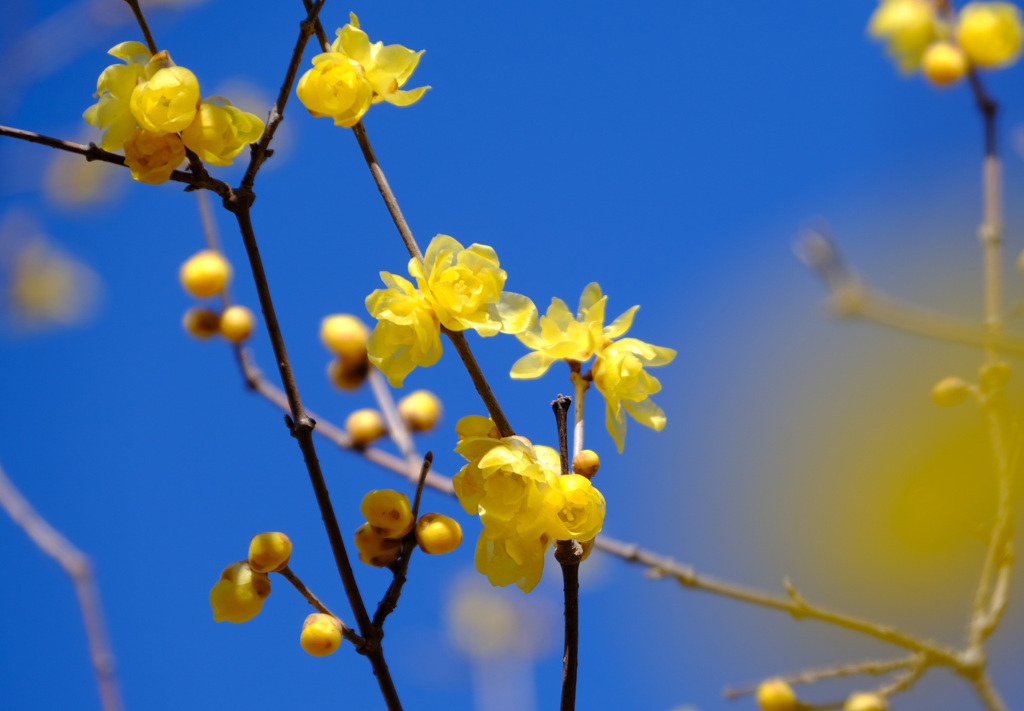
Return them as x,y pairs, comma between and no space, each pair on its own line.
568,554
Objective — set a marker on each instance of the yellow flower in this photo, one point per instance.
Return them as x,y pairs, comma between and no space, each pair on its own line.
112,112
559,336
335,87
153,157
574,508
464,287
990,33
239,594
220,131
407,333
169,100
385,68
507,560
907,27
620,376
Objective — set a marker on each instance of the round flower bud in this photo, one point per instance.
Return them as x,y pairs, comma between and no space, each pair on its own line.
420,410
865,702
167,102
950,392
364,426
776,695
388,512
990,33
586,463
321,634
348,373
205,273
200,322
943,63
344,335
239,594
374,549
438,534
269,552
236,323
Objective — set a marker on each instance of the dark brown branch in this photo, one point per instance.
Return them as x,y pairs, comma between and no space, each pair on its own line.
568,554
143,25
346,631
259,152
458,340
318,28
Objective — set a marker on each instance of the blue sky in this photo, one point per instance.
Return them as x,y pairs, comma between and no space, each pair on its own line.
671,152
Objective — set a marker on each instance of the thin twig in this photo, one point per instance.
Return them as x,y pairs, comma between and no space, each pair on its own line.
318,28
397,430
400,567
814,675
580,385
93,152
568,554
260,152
143,25
77,566
346,631
989,696
458,340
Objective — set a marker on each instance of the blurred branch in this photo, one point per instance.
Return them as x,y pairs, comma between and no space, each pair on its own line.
989,696
76,565
814,675
397,430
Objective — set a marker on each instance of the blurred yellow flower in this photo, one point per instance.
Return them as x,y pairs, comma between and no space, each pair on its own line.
153,157
620,376
47,287
220,131
907,27
407,333
990,33
167,102
385,68
112,113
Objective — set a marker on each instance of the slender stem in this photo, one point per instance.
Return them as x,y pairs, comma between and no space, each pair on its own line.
814,675
143,25
580,385
458,340
301,427
568,554
318,27
260,152
989,696
397,430
346,632
77,566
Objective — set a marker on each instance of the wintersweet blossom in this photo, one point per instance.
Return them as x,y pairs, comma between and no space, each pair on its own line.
907,27
386,68
220,131
112,113
407,333
620,376
168,100
559,336
522,502
990,33
153,157
239,593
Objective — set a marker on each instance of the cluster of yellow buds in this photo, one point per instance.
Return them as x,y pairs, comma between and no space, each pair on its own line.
459,288
344,335
389,519
243,586
778,695
619,365
206,274
152,109
522,500
354,74
982,34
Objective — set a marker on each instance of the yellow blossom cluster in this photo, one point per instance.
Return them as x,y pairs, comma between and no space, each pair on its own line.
204,274
982,34
522,501
389,519
354,74
619,366
456,287
243,586
152,109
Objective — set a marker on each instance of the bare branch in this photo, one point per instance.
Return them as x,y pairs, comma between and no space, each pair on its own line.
811,676
313,600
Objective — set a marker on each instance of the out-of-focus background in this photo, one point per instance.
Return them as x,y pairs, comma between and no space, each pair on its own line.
672,152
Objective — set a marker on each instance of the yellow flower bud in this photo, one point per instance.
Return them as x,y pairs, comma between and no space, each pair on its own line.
153,157
335,87
201,322
239,594
374,549
950,392
586,463
236,323
438,534
907,27
205,273
344,335
776,695
865,702
994,376
348,374
321,634
990,33
364,426
943,63
388,512
220,131
169,100
269,552
420,410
